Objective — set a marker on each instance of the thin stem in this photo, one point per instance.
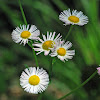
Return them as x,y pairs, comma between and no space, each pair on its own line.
69,32
30,44
79,85
35,57
52,61
50,69
22,11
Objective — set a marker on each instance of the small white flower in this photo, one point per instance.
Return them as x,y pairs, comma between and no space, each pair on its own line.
76,17
62,52
34,80
23,33
47,44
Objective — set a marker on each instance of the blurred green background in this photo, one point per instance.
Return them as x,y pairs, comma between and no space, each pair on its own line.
66,76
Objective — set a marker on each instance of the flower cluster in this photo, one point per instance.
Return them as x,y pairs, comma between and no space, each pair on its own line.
35,80
54,44
49,43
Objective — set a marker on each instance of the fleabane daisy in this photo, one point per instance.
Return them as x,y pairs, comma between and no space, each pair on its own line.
34,80
23,33
76,17
47,44
62,52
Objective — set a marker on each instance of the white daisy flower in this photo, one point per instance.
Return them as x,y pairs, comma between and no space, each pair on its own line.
62,52
76,17
34,80
47,43
23,33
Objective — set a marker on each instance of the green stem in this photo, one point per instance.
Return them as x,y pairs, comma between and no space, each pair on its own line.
30,44
34,55
52,61
79,85
69,32
50,69
22,11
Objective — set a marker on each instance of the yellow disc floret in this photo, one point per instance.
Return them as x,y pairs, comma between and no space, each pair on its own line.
25,34
61,51
48,44
34,80
73,19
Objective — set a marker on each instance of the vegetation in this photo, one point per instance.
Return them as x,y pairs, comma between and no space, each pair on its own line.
66,76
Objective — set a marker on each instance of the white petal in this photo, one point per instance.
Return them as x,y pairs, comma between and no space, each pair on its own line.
32,28
46,52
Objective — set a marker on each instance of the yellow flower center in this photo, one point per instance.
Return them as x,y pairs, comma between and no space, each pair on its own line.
25,34
73,19
34,80
48,44
61,51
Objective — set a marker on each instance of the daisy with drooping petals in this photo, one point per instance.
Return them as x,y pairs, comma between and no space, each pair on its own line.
34,80
77,18
23,33
62,52
47,43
